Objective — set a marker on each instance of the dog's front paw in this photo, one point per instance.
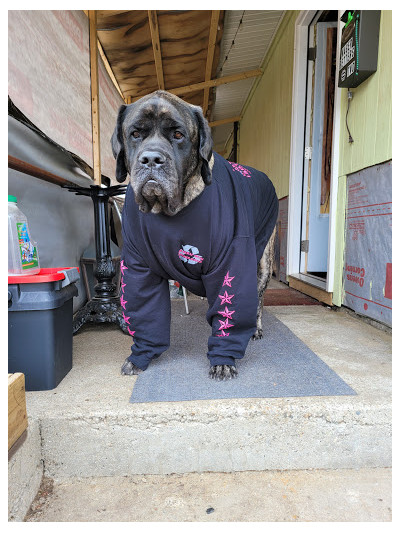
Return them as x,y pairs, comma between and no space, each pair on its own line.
129,369
223,372
258,334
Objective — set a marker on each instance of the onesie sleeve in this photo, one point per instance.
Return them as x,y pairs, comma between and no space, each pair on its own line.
232,296
146,306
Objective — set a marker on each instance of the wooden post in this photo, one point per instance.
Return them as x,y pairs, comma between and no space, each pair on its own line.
235,136
94,87
210,56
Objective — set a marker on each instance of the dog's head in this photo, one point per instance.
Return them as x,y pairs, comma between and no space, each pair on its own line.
165,145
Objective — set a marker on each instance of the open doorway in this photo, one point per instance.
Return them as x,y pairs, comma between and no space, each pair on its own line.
320,101
314,164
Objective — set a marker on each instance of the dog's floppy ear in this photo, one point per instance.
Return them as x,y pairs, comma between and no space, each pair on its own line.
117,145
205,144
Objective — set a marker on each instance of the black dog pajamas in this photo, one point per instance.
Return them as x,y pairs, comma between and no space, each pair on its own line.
212,248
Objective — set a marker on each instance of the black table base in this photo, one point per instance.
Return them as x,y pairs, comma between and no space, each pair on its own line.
98,311
105,305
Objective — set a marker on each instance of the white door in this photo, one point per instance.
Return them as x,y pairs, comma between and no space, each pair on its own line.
318,149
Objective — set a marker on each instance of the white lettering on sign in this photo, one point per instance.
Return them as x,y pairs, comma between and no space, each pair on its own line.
347,53
350,68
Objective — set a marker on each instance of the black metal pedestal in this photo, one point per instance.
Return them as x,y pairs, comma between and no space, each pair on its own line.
105,305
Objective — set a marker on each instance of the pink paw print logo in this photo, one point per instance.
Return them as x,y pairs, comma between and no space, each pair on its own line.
239,168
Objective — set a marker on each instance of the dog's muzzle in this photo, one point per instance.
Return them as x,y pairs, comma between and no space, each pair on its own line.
152,188
154,182
152,163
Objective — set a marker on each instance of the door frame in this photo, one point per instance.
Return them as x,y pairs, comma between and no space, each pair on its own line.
297,147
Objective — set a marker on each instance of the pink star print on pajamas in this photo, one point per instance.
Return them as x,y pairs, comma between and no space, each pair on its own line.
226,313
123,302
226,298
225,324
227,280
126,318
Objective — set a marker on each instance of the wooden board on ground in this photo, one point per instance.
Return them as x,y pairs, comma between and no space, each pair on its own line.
314,292
17,416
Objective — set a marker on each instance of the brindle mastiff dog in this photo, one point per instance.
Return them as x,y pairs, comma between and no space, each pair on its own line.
166,175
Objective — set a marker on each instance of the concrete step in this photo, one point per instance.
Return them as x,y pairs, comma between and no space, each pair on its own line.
88,427
301,496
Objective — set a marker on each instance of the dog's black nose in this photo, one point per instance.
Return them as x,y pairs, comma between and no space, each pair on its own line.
152,159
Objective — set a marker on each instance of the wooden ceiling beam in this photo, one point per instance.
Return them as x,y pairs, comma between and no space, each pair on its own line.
216,82
109,69
211,83
224,121
107,64
210,55
155,39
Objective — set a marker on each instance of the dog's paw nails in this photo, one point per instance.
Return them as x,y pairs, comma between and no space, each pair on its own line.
129,369
223,372
258,335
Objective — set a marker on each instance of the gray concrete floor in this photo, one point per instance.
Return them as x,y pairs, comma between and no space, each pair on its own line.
297,496
358,352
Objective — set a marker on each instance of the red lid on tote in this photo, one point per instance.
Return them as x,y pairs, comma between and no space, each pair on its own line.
45,275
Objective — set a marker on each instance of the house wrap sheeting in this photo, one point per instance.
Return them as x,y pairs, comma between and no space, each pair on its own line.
49,81
368,257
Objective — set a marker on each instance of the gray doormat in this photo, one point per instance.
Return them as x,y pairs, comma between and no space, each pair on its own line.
279,365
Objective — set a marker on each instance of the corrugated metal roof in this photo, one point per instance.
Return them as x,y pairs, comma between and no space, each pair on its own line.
245,42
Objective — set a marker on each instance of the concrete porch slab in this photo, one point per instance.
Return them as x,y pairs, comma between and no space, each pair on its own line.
88,427
299,496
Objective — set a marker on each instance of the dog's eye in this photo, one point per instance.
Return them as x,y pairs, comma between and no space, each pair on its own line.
178,135
135,134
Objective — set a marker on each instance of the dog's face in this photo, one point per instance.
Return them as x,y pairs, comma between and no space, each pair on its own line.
163,143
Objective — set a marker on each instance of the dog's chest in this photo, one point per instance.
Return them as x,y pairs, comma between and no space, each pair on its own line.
190,243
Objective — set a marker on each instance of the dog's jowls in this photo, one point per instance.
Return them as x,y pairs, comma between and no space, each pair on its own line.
199,220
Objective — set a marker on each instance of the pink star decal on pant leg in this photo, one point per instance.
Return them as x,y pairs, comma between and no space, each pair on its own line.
226,313
122,286
123,302
228,280
223,334
226,298
225,324
123,267
131,332
126,318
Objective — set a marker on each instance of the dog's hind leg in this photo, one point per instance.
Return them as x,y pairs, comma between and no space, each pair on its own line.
264,273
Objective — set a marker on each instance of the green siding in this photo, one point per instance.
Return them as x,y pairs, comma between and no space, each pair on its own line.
264,141
370,124
370,115
265,129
